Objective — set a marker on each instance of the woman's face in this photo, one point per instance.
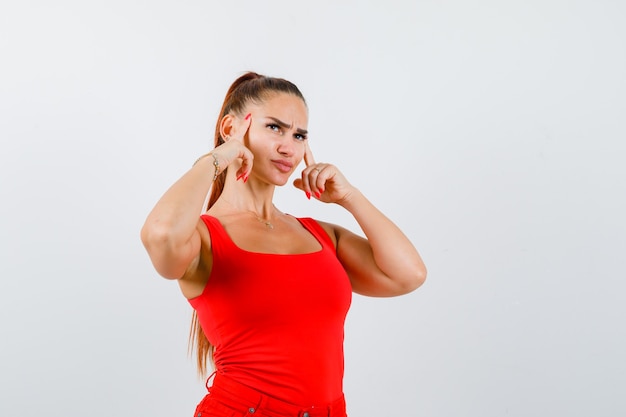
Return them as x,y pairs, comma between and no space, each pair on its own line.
277,136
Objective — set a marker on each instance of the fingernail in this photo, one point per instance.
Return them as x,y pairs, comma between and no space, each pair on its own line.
245,179
308,195
248,116
240,176
317,194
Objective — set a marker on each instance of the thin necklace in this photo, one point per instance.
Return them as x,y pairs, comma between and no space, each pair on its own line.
267,223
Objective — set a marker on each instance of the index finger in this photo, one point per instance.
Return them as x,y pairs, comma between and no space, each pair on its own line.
247,123
308,155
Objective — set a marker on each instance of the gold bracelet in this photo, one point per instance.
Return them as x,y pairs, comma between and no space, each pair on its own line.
216,163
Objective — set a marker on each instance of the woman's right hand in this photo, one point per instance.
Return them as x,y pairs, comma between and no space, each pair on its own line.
233,150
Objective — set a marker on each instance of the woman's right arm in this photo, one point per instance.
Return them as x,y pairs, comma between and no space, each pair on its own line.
171,232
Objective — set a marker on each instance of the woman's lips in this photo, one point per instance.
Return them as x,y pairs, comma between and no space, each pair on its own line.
282,165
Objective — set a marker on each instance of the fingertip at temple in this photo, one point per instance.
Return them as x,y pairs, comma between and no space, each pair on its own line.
308,155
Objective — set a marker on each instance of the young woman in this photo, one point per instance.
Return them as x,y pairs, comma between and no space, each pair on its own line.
270,291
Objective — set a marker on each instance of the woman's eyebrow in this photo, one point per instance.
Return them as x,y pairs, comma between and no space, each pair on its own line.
285,125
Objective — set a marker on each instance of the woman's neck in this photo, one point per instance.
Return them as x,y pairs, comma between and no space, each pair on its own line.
252,196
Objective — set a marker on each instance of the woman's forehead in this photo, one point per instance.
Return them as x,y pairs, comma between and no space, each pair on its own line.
283,105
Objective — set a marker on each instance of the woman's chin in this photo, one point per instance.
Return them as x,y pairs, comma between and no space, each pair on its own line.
281,182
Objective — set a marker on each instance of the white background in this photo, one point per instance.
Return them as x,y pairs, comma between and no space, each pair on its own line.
492,132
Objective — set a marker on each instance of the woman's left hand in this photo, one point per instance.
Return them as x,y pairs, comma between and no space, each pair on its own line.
324,181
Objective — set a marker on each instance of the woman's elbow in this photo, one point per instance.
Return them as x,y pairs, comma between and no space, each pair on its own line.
420,276
415,279
155,239
163,252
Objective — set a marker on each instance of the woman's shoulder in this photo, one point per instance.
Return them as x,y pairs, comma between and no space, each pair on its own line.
329,228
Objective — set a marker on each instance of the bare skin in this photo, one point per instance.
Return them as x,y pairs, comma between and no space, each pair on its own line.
262,151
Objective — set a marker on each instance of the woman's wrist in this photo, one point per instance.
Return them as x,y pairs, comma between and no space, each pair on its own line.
352,200
215,162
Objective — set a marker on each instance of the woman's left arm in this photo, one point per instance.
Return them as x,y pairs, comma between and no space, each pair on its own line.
383,264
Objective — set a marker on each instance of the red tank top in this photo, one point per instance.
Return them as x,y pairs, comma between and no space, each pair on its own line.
277,321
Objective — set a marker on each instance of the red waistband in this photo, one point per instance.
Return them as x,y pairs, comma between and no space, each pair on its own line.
238,395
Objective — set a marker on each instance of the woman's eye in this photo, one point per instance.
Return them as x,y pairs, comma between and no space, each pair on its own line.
274,127
298,136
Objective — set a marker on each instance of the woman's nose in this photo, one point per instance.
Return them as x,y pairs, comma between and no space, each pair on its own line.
285,146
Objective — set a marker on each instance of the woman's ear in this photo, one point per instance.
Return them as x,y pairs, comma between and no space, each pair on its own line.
226,126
